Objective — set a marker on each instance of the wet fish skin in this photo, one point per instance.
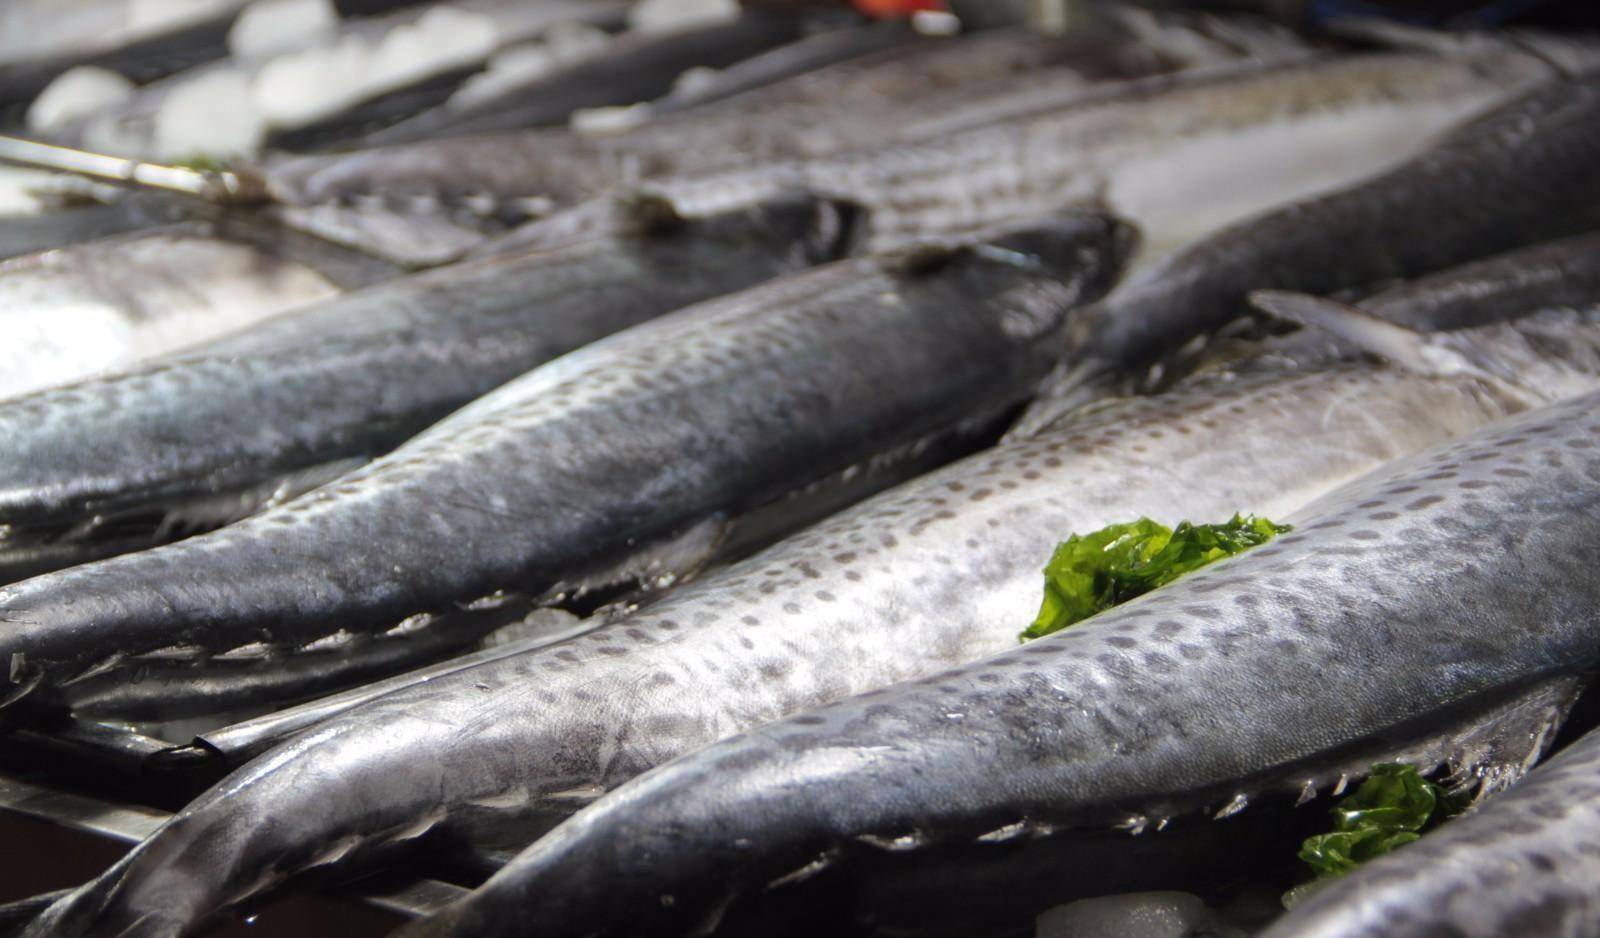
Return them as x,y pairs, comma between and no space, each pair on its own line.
632,69
1520,864
70,313
1046,772
800,116
1518,174
946,557
548,483
1564,272
220,429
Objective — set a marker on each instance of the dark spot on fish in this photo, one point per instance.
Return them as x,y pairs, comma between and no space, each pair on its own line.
612,650
1118,641
1424,502
808,721
1511,473
1365,535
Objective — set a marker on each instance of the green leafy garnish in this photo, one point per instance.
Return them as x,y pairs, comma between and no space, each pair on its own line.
1092,572
1389,810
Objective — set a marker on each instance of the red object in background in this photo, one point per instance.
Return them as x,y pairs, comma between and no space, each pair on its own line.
889,9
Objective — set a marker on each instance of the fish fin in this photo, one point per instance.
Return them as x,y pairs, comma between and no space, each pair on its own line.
1497,752
1487,745
14,916
1065,394
1398,345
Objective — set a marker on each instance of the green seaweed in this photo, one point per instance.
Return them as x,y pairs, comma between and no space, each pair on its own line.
1389,810
1089,573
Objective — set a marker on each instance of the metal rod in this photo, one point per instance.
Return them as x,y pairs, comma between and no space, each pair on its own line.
216,186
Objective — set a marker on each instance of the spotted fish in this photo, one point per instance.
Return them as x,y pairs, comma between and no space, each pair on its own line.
1520,173
202,437
1436,611
1522,864
626,460
433,199
933,574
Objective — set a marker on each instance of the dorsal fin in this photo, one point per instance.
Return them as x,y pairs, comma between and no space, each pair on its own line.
1398,345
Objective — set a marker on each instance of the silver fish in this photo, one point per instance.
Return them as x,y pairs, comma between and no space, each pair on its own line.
1518,174
401,197
1521,864
1436,611
626,460
933,574
1180,154
210,434
70,313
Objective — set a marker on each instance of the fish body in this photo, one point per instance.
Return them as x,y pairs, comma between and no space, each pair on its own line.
1563,272
1244,138
935,573
582,471
383,196
1515,175
70,313
1099,759
632,69
1519,864
203,436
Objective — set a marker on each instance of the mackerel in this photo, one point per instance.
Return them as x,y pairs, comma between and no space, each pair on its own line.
201,437
633,68
950,559
69,313
1435,611
432,200
1180,154
1521,864
626,460
1519,174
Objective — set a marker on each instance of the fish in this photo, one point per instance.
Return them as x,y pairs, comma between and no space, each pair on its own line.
1243,135
73,312
1434,611
142,455
1517,865
442,195
633,68
922,577
1515,175
628,460
1562,272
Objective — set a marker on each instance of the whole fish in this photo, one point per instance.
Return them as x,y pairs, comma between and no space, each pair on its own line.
1521,864
1518,174
633,68
1435,612
936,573
419,201
73,312
207,435
1180,154
1564,272
625,460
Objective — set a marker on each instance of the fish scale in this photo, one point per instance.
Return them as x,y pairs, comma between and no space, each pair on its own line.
933,574
1367,634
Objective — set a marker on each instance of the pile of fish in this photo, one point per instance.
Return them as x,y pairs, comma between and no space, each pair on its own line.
628,439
